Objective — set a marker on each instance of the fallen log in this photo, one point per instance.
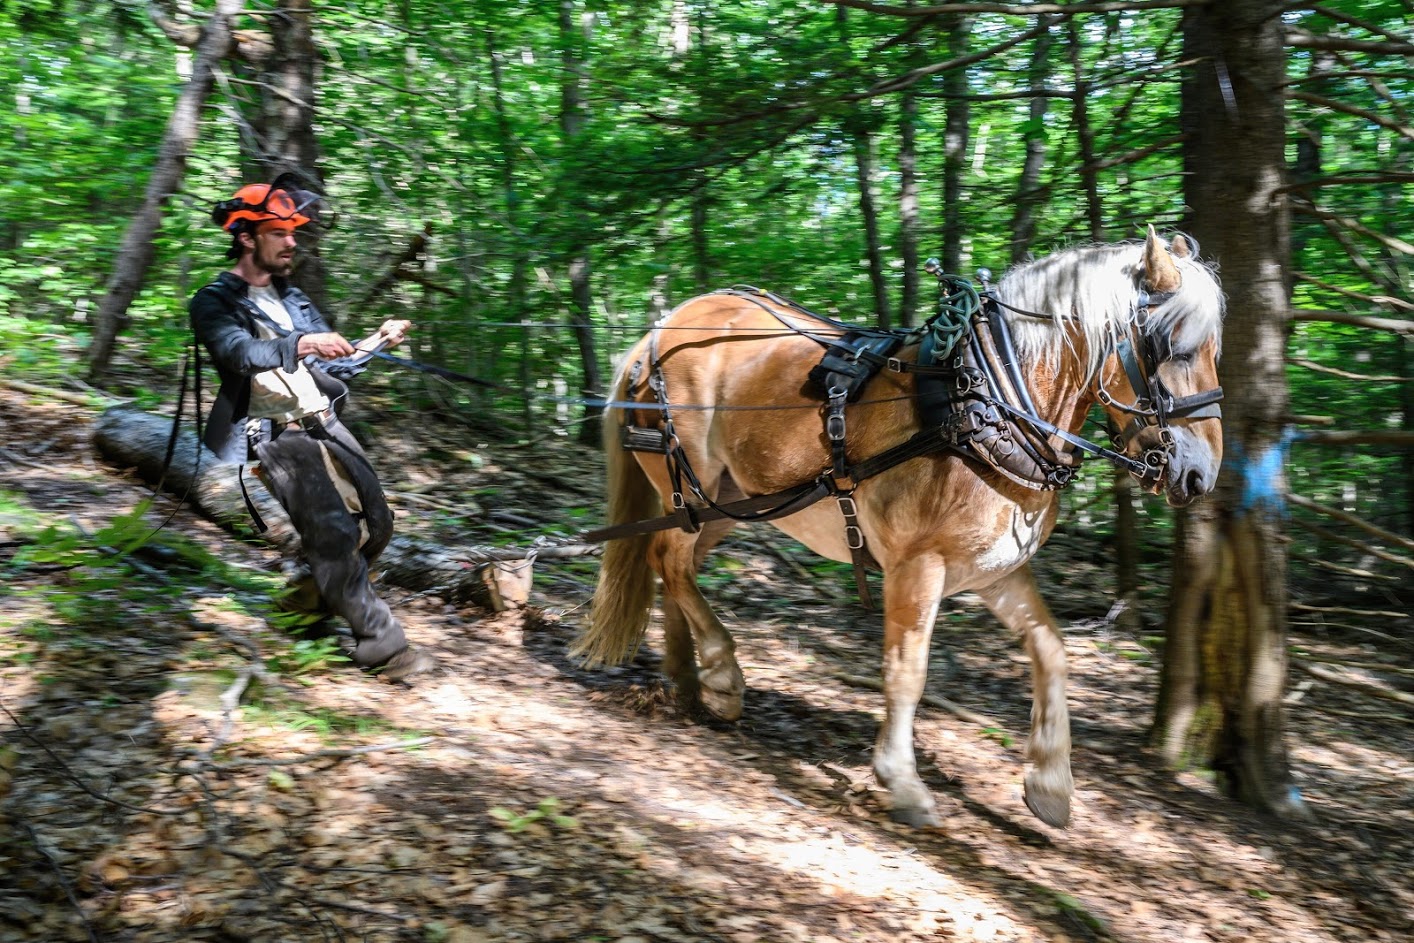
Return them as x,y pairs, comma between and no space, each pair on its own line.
494,577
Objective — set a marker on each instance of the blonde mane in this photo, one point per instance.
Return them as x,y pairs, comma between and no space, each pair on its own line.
1088,294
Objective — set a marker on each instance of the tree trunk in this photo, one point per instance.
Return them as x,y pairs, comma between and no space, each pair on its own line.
510,195
955,144
1121,485
908,207
573,40
1225,660
134,439
135,253
1089,174
1406,398
289,140
701,251
868,210
1028,186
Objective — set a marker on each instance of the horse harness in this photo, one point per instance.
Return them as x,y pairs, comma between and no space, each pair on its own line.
973,401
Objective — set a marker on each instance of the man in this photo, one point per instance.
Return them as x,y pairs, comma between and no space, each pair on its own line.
273,408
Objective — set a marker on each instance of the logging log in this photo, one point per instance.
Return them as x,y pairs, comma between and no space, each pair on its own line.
497,578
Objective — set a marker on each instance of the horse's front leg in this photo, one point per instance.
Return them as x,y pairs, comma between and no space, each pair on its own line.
912,591
1017,603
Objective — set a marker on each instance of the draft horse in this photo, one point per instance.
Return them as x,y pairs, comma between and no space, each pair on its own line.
722,379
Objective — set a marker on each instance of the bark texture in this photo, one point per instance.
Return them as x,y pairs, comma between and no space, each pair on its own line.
575,25
1225,662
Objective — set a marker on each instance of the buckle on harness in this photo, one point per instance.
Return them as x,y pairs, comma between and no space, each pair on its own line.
853,537
895,365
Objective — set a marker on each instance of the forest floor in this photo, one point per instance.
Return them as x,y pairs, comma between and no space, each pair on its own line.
513,796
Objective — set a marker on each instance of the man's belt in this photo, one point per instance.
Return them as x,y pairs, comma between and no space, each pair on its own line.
311,422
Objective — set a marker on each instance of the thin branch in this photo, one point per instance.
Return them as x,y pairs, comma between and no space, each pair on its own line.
1403,438
1346,74
1351,542
1020,9
1331,624
1346,374
1353,572
1137,154
1389,242
63,881
1345,680
1388,300
933,700
1303,39
1372,529
1349,20
1396,325
1347,663
73,777
900,82
1394,176
1348,611
1363,113
885,87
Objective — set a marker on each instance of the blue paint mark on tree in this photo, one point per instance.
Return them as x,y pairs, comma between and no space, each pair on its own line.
1262,478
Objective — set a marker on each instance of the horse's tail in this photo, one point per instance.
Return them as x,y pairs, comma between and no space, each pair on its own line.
623,599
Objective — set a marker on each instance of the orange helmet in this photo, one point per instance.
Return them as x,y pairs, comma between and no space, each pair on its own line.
259,202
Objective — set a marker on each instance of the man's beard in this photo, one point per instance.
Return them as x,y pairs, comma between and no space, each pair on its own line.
273,264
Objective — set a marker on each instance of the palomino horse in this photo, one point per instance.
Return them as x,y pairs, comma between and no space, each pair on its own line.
1132,326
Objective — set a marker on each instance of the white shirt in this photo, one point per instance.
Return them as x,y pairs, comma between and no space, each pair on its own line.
275,394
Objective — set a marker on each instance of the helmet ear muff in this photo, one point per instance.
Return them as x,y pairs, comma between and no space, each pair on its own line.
221,212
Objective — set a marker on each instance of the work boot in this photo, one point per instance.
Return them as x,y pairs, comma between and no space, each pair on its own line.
407,663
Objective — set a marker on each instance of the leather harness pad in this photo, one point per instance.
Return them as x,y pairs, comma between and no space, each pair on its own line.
847,364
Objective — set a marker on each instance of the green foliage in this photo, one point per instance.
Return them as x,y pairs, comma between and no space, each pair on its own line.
329,725
714,147
309,656
546,810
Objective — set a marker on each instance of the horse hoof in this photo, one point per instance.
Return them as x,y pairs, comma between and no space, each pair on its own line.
915,817
721,706
1051,808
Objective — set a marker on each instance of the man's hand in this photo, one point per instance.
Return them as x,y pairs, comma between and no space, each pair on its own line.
324,346
393,331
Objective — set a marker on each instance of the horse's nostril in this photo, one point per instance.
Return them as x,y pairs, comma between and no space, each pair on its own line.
1193,483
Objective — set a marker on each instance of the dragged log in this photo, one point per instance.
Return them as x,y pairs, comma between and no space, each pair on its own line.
135,439
496,578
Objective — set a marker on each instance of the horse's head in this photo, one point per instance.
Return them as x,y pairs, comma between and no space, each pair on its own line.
1160,381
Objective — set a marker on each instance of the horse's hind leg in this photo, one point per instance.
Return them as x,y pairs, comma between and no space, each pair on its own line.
679,651
689,622
1016,602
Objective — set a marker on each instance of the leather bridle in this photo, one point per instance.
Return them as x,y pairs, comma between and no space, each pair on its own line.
1154,405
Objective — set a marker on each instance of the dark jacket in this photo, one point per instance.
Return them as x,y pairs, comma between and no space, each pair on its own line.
224,319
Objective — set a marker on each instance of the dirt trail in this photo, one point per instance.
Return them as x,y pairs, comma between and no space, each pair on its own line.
513,796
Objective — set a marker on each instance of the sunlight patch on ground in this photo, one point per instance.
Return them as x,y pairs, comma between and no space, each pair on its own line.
843,866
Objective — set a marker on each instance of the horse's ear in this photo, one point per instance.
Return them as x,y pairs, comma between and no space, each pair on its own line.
1160,274
1183,247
